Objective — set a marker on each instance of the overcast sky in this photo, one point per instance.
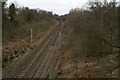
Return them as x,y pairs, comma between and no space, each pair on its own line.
60,7
56,6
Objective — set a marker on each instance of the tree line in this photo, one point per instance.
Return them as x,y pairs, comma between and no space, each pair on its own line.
14,18
95,29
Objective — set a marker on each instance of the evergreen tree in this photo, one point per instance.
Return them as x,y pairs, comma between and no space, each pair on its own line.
12,12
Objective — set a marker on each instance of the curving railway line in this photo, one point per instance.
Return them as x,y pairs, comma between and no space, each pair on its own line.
37,63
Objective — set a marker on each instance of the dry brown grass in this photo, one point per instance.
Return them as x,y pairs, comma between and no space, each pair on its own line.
20,43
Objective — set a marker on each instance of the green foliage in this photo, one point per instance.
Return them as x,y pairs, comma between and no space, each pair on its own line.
12,12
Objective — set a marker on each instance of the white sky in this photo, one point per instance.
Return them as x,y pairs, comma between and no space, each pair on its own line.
60,7
56,6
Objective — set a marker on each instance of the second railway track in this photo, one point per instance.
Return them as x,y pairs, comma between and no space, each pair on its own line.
36,63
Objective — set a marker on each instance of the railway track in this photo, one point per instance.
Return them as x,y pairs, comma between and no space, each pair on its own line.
36,64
